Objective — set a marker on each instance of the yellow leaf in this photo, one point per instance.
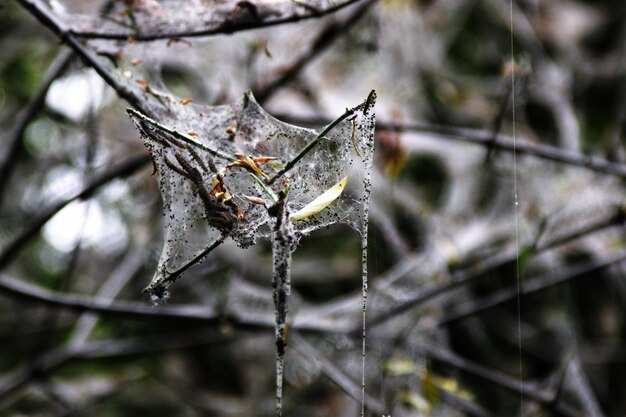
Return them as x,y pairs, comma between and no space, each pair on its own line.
400,366
321,202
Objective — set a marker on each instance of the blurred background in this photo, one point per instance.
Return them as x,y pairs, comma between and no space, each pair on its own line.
496,241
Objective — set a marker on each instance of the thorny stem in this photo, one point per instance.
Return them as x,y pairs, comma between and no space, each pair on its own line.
283,244
178,135
309,146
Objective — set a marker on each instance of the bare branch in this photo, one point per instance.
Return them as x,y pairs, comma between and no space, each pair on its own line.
38,9
245,16
306,350
331,33
528,287
121,170
22,120
487,139
470,275
511,384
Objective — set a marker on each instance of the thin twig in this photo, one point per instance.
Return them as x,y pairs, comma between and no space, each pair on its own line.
534,285
45,16
309,146
468,276
485,138
142,311
225,26
156,288
22,120
121,170
51,361
178,135
512,384
332,372
331,33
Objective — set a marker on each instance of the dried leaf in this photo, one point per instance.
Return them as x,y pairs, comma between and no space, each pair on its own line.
246,162
321,202
253,199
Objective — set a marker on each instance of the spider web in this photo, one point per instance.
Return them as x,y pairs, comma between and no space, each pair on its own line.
162,19
245,128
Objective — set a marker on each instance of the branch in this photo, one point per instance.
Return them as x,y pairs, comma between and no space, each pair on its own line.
225,26
160,286
41,11
121,170
470,275
143,311
28,113
324,40
145,119
511,384
487,139
536,284
309,146
49,362
302,347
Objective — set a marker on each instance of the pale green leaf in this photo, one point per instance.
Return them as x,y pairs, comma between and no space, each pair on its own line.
400,366
321,202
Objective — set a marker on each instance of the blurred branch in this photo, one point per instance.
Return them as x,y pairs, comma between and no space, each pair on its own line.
22,120
470,275
49,362
121,170
486,138
45,16
511,384
137,310
466,406
329,35
579,384
225,26
310,353
536,284
120,276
